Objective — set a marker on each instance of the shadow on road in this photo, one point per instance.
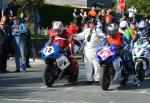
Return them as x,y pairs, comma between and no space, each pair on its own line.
143,85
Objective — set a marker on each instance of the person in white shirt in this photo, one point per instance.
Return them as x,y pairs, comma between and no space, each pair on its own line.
92,40
132,11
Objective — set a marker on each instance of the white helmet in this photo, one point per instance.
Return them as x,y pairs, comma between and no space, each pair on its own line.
142,24
58,27
123,25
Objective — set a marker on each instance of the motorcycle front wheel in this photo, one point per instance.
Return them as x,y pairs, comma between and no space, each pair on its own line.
49,74
140,71
105,77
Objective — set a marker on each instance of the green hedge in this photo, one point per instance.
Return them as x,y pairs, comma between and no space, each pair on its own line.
49,13
33,36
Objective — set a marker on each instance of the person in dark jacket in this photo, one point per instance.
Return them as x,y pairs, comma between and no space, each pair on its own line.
3,48
13,7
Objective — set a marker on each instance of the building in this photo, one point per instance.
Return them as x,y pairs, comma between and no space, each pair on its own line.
101,3
83,3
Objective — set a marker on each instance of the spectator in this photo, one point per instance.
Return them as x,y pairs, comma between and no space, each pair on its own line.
36,20
132,11
81,16
117,16
131,32
99,17
85,17
7,19
3,48
107,19
25,19
18,32
13,7
51,34
92,13
75,16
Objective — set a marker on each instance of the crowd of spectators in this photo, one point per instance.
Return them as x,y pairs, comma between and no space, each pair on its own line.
15,35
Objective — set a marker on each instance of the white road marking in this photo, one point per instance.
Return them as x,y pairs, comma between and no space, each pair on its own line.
15,78
143,91
44,87
23,100
34,92
7,88
78,89
52,101
69,88
115,91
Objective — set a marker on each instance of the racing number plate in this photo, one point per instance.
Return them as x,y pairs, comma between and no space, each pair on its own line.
104,54
49,50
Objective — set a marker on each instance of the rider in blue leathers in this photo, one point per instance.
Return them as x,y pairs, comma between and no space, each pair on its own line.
143,34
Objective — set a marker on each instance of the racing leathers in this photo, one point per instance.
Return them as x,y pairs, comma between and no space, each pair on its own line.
125,54
143,35
64,46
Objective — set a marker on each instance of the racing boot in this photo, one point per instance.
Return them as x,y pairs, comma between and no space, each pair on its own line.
134,80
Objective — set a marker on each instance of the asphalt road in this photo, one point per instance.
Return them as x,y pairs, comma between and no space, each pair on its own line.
28,87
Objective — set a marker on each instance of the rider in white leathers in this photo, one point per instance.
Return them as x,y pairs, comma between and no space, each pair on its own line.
92,38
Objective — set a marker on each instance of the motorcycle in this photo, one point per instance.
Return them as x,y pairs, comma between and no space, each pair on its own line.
112,66
141,56
57,65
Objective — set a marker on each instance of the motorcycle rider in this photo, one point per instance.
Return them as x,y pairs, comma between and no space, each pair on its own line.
123,26
60,34
92,40
116,38
143,34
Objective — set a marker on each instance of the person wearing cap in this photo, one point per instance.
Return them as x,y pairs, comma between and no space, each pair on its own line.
92,40
18,31
3,48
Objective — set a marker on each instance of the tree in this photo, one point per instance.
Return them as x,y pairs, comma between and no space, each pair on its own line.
142,6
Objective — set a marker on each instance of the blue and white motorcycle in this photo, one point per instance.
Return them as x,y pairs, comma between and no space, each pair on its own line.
141,56
112,66
57,64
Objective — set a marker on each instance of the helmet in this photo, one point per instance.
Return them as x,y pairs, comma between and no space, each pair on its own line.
58,27
112,30
142,24
123,25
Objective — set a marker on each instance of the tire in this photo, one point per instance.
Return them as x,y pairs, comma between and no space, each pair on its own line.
49,75
140,71
105,78
126,77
